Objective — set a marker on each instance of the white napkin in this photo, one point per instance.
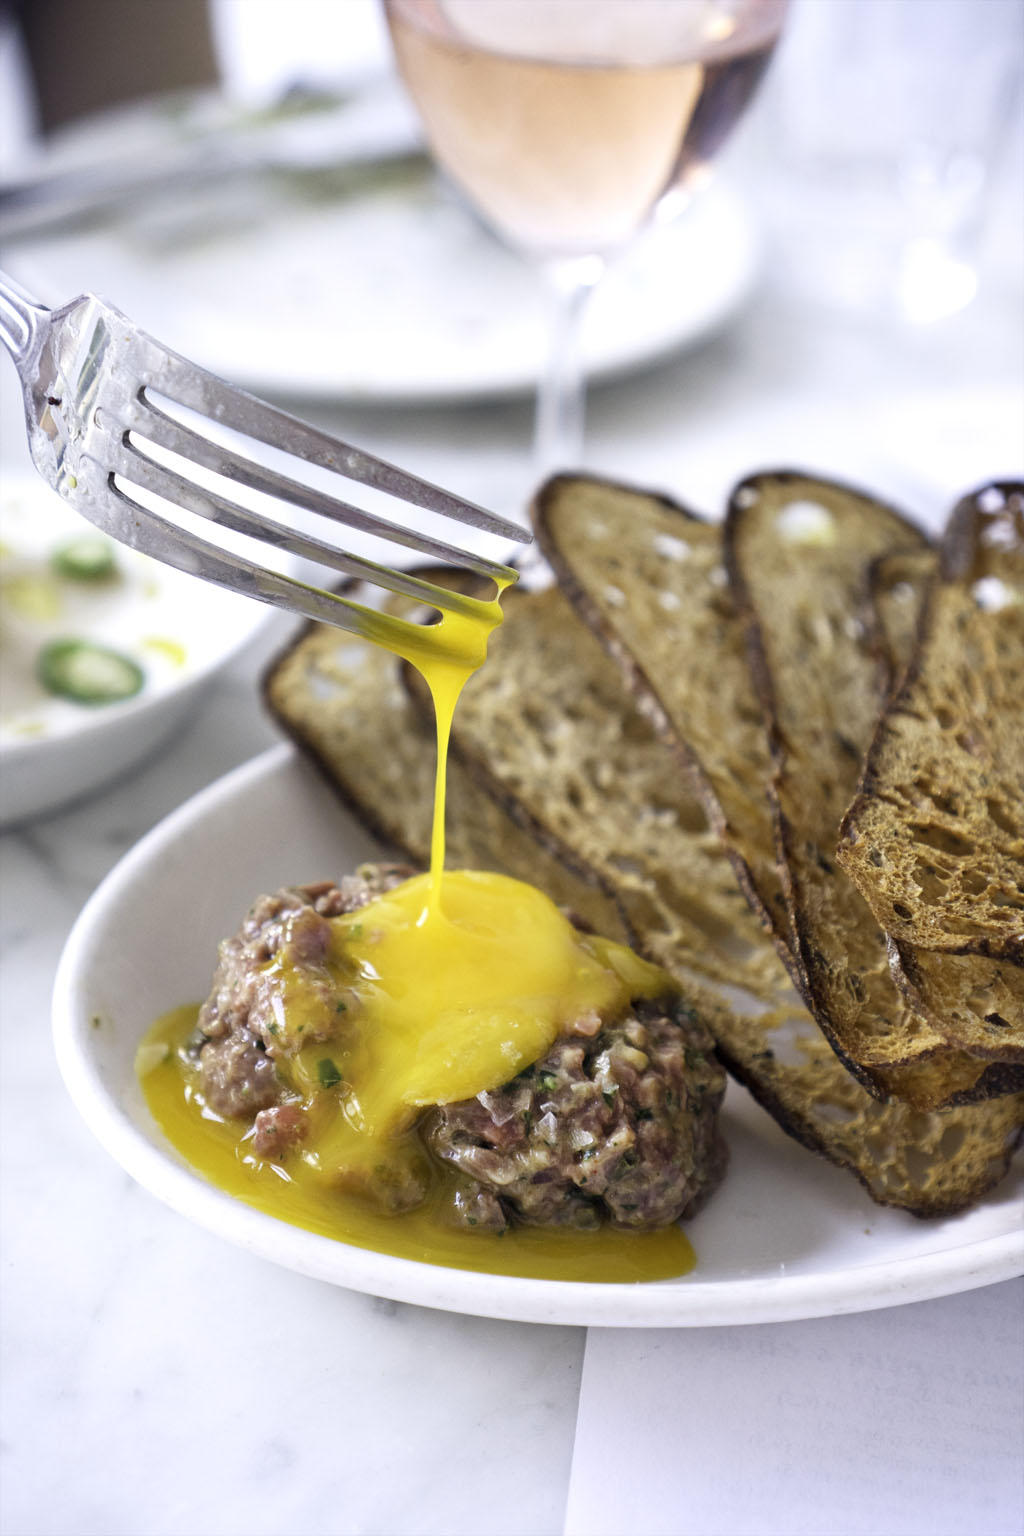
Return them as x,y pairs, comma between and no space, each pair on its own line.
906,1422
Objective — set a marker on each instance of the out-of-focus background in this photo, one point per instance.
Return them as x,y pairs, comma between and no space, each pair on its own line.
245,180
254,158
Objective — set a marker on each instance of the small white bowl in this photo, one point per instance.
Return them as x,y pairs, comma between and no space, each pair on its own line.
787,1236
181,631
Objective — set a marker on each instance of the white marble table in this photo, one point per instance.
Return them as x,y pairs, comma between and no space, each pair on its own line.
157,1381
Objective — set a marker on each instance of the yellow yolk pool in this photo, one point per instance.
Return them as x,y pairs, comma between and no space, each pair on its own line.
434,1009
214,1149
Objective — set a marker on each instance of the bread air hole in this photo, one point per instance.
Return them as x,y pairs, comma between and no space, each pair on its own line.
942,840
952,1141
931,881
919,1164
968,742
973,882
941,802
834,1112
999,814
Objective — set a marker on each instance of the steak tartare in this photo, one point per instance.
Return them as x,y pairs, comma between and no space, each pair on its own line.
617,1122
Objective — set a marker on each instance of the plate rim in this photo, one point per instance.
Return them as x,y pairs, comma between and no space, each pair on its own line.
684,1302
723,205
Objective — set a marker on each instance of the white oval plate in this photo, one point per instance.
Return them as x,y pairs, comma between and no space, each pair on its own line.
394,293
788,1236
52,750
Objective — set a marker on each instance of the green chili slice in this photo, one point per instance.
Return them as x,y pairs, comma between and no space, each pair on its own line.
87,673
89,557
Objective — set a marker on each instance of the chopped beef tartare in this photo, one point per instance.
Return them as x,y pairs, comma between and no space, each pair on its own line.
617,1123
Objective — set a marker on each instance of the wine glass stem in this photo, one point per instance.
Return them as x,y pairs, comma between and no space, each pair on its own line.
558,440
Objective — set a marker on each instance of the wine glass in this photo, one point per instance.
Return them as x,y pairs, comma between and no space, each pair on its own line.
570,124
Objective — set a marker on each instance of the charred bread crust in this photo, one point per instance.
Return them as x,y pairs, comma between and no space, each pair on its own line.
821,702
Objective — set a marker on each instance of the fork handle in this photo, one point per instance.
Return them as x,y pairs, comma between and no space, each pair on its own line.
20,318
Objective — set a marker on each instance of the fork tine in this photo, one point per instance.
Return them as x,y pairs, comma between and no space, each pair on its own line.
171,544
182,493
154,425
188,385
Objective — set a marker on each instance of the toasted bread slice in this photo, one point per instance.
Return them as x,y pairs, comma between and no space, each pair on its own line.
647,576
928,1163
934,839
976,1000
817,679
967,1000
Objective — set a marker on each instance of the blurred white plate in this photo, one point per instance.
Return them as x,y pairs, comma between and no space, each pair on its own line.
298,282
788,1236
180,631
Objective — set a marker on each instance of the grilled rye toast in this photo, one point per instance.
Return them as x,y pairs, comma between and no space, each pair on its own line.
549,728
935,837
674,630
817,679
630,563
898,588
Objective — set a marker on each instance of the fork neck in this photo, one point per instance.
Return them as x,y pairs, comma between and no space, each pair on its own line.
20,318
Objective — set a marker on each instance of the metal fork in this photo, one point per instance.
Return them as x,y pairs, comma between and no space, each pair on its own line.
99,399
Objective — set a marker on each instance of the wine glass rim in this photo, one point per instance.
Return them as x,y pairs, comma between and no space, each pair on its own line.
764,22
